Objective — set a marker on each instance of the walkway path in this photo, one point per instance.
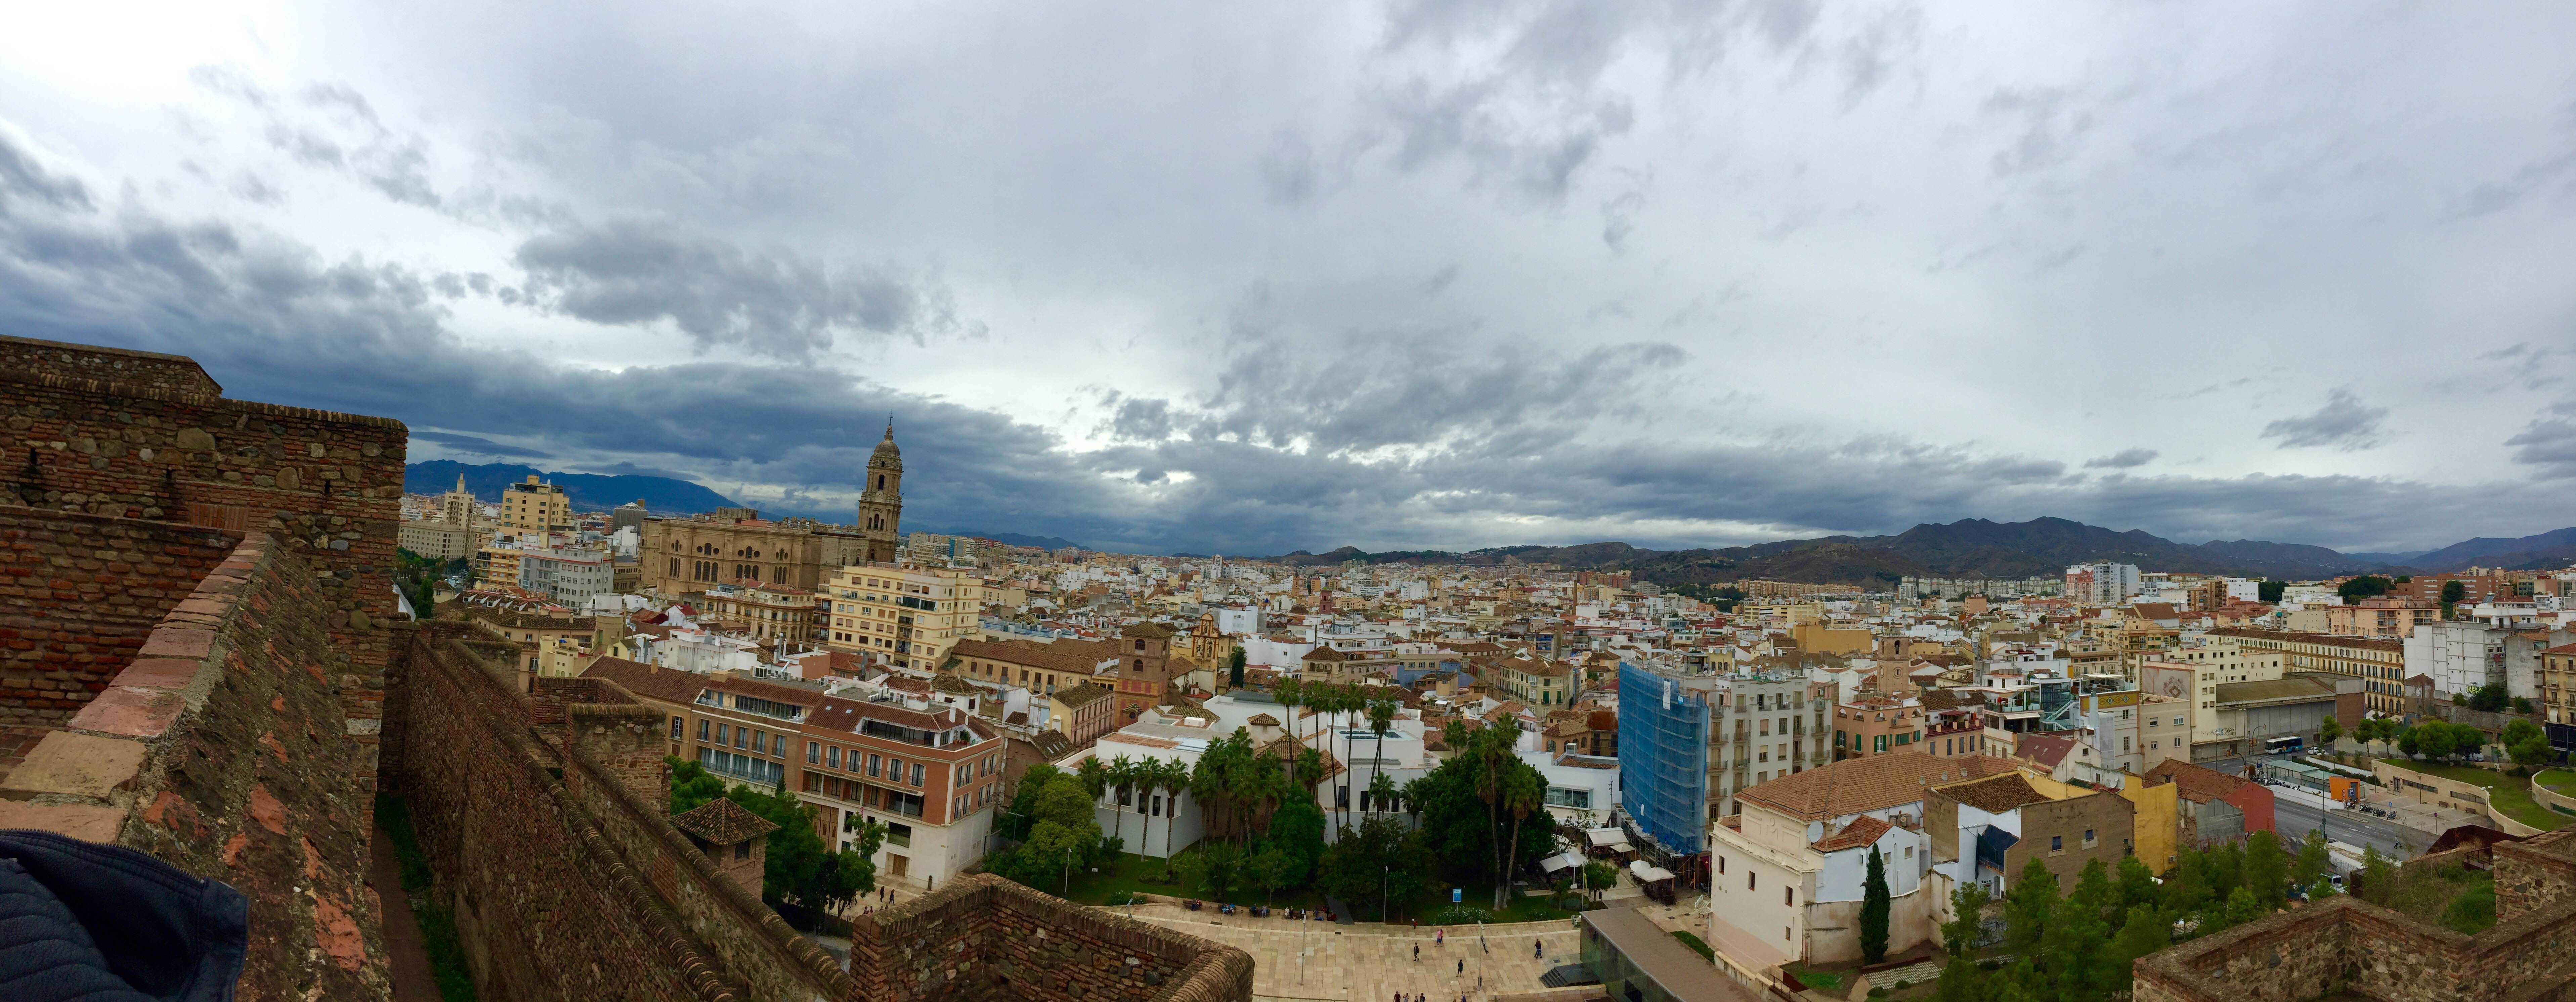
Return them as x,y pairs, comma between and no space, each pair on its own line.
1357,963
413,978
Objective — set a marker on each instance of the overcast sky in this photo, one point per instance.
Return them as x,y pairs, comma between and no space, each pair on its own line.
1246,278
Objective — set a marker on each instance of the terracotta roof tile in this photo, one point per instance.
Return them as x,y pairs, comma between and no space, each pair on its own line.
723,822
1877,782
1995,794
1862,831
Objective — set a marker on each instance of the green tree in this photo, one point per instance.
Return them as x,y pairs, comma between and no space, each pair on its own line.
1967,917
1214,870
2242,907
1962,981
2145,931
1874,905
1271,869
2270,591
2490,698
2315,861
2365,586
2137,883
2526,742
2378,877
2267,870
2328,730
2029,905
1234,668
2452,592
1599,876
798,865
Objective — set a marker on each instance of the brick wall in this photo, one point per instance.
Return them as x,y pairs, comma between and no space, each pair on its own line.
139,435
983,937
78,593
219,749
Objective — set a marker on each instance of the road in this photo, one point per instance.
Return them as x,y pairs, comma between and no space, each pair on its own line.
2292,821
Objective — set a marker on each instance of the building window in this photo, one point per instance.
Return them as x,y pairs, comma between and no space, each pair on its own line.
679,728
832,757
1752,879
2056,844
813,752
1789,896
872,765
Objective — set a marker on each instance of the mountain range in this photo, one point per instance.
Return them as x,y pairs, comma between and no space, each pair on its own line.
1977,548
587,491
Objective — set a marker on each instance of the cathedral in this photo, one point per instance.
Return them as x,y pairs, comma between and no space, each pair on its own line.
736,546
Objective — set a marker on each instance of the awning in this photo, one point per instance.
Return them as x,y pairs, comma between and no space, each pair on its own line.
1646,874
1602,838
1560,861
1622,849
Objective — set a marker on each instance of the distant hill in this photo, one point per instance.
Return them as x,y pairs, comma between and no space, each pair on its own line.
1017,539
1968,548
2545,551
588,491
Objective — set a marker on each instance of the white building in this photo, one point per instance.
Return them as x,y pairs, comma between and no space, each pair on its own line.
569,576
2459,656
2103,584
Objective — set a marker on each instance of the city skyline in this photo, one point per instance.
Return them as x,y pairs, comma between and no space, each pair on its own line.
1232,280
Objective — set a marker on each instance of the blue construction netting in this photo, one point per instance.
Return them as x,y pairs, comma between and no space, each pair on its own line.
1663,758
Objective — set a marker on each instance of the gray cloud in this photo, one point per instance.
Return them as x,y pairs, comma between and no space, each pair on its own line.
2123,459
2548,443
2344,423
476,445
773,302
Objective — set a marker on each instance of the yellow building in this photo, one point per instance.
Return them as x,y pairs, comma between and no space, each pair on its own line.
902,615
1818,638
2159,821
496,566
533,508
764,612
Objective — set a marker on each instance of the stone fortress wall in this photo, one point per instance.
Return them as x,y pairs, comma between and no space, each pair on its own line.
2347,945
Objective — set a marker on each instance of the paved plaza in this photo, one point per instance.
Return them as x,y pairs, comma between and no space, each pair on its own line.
1319,960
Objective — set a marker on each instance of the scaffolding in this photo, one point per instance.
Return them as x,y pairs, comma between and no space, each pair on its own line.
1663,758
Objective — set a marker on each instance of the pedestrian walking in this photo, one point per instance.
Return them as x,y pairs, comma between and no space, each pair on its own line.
1538,950
1462,967
1440,938
1417,953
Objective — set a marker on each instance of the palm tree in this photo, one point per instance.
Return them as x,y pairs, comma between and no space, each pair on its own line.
1381,790
1171,777
1492,749
1524,793
1122,777
1093,775
1291,694
1381,714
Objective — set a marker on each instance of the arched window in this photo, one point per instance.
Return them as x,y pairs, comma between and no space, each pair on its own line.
880,481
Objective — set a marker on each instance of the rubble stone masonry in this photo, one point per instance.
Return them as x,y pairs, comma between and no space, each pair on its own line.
2351,946
982,937
138,435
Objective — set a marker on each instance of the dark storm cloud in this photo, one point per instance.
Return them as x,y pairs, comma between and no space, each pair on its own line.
2122,460
2345,422
273,321
773,302
476,445
2549,443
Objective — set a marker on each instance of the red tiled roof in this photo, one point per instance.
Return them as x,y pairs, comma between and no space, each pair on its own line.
1863,830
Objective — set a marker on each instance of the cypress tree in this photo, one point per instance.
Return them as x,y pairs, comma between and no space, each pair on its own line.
1873,910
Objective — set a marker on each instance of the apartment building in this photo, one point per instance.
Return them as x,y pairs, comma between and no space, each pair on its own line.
1041,668
2558,683
440,540
532,509
2379,663
2379,616
567,576
902,615
930,773
766,612
2458,656
1534,681
1871,724
2190,677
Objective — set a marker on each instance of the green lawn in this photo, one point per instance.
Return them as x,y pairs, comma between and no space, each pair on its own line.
1131,873
2508,793
2557,779
1697,946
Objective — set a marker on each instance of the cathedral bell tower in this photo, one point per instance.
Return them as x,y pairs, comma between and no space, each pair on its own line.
881,500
